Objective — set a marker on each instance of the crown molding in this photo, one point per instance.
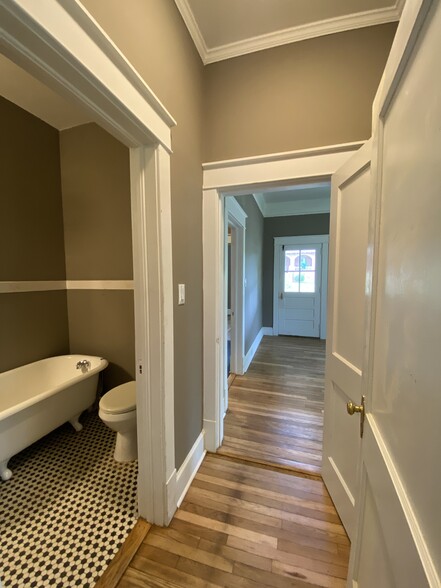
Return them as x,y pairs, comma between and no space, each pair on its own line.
291,35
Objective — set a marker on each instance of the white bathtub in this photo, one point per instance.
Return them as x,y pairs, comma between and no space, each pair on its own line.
37,398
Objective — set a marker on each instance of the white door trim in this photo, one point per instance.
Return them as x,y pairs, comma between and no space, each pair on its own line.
236,217
280,241
60,44
242,176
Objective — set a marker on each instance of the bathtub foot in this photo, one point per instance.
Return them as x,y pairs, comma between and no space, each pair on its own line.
5,472
76,423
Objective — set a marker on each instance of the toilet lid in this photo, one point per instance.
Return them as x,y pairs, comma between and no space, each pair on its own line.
120,399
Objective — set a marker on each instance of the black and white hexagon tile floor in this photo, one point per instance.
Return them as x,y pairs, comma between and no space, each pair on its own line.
66,510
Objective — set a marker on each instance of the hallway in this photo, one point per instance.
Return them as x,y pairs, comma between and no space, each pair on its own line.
275,410
246,526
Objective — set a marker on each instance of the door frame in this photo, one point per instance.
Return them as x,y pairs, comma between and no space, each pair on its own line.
324,241
239,177
236,217
61,45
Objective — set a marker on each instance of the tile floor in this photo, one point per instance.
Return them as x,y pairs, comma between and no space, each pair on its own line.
66,510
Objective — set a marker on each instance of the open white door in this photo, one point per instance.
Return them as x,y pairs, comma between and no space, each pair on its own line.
350,195
398,540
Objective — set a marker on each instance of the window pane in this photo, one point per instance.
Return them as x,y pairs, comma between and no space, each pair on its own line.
307,259
292,280
307,281
290,260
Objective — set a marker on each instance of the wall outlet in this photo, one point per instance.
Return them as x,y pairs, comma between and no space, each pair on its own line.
181,293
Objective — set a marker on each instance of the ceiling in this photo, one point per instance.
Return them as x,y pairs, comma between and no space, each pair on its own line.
222,29
312,198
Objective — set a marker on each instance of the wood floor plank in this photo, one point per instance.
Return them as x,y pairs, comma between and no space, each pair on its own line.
278,401
120,562
243,526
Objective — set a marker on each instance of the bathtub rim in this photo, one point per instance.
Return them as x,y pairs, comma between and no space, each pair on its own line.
102,364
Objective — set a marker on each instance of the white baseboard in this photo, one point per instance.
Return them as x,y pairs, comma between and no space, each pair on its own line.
268,331
252,350
189,468
210,435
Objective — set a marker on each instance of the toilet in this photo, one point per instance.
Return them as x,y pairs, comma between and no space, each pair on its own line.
117,409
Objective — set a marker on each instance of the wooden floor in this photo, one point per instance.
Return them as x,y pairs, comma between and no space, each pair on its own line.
245,526
275,410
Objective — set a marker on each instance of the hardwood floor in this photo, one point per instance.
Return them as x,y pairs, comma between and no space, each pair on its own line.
245,526
275,410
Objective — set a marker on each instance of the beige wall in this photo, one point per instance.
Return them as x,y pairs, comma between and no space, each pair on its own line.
307,94
33,325
95,175
153,37
95,178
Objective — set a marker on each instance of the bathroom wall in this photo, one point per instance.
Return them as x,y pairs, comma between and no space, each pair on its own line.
33,324
285,226
95,177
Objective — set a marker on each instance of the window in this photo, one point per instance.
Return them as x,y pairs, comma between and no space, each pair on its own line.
300,266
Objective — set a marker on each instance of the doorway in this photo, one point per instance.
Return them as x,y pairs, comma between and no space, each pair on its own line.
300,286
232,178
51,47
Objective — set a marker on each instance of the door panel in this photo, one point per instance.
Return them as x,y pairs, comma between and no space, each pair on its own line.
300,285
350,271
400,452
346,336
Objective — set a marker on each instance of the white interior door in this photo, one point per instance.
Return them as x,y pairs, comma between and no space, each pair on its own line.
350,196
299,289
398,540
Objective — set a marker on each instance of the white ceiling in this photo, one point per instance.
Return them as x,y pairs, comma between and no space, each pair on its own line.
312,198
227,28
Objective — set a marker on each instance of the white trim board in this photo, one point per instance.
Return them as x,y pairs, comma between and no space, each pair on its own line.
294,34
59,43
52,285
220,179
189,468
252,350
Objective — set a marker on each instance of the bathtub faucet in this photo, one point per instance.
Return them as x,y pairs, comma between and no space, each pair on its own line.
83,364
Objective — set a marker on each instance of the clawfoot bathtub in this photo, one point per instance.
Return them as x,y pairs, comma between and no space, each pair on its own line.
37,398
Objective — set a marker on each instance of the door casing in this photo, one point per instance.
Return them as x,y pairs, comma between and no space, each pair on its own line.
237,177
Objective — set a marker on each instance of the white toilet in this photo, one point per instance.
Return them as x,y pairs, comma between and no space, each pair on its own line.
118,411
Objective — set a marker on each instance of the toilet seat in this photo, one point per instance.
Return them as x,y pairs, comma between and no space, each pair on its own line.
119,400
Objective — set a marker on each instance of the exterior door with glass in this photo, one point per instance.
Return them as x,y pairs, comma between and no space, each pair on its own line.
299,289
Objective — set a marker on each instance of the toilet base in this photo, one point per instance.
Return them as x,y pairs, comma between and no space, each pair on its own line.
126,446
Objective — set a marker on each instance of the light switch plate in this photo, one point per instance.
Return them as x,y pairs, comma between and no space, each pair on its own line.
181,293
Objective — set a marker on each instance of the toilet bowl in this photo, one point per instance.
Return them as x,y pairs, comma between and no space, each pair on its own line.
117,410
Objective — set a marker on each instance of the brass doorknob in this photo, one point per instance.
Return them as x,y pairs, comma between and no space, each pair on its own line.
353,408
360,408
